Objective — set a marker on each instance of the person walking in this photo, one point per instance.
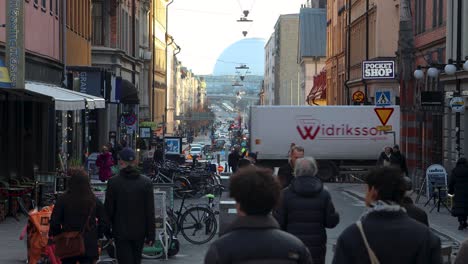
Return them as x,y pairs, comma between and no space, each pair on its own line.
130,206
105,162
233,159
385,233
412,210
399,160
458,186
255,236
77,210
307,209
385,157
286,172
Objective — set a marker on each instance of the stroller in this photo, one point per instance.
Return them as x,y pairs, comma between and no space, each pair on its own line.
40,251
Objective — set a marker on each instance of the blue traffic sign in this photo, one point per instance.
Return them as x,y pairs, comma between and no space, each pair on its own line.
383,98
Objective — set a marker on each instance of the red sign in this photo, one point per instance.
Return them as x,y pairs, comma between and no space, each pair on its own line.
220,168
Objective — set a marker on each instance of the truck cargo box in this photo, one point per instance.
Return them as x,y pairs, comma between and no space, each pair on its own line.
326,132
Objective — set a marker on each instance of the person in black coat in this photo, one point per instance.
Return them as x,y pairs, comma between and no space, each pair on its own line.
130,206
255,236
286,172
306,209
71,212
392,235
398,159
233,159
412,210
458,186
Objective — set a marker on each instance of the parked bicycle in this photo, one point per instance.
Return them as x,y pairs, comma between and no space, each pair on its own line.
197,224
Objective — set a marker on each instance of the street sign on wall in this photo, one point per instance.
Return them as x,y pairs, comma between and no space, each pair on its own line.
358,96
457,104
372,70
383,98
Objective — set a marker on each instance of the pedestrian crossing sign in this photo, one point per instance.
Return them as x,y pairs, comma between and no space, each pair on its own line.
383,98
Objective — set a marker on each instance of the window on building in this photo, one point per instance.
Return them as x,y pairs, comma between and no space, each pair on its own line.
44,5
51,4
36,3
420,16
97,22
441,12
56,7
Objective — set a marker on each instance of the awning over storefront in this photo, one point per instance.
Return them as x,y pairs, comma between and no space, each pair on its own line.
66,100
129,93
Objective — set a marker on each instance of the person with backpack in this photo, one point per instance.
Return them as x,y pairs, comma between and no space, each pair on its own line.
385,233
130,207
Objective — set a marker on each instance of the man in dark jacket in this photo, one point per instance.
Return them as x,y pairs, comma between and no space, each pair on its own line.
130,206
391,234
307,209
233,159
286,173
412,210
399,160
255,236
458,185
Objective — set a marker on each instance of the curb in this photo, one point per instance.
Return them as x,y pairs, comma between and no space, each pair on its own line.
437,229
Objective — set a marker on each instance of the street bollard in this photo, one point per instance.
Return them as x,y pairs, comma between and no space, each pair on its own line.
227,214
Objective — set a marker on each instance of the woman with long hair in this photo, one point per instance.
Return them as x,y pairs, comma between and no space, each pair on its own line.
78,209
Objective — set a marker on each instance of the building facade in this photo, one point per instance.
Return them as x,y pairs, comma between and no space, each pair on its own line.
422,126
172,50
116,49
311,53
455,144
337,19
373,36
159,40
286,68
269,74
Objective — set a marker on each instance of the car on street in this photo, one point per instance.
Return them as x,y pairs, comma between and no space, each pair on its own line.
197,150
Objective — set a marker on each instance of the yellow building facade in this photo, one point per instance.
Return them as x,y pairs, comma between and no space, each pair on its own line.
78,33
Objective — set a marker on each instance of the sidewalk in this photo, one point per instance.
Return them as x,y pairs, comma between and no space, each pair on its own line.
12,250
441,222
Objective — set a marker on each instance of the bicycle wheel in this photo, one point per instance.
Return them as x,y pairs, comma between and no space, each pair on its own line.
156,251
198,225
181,184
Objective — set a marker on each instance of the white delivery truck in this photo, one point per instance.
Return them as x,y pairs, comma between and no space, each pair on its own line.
340,138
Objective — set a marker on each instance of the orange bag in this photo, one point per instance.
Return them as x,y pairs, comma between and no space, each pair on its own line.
38,233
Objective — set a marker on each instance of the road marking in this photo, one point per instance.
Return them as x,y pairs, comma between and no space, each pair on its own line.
357,202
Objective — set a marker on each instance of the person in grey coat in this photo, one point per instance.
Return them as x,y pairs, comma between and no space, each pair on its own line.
307,209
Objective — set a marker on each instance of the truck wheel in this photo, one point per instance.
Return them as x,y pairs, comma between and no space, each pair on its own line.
327,171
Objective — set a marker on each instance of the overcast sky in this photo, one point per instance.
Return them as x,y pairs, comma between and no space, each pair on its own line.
204,28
